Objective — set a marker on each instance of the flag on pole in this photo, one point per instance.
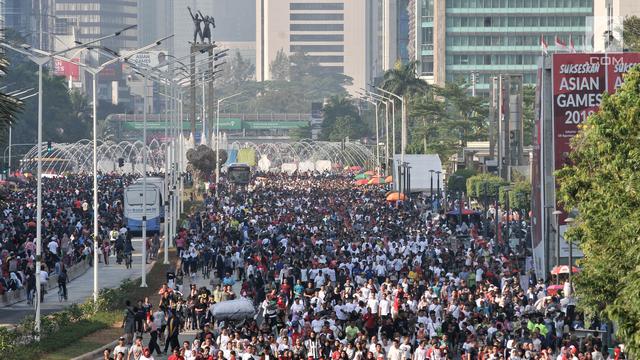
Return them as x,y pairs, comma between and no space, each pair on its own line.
560,44
572,46
545,47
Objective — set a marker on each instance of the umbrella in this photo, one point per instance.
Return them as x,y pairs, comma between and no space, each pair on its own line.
464,212
388,179
362,176
362,182
553,289
564,269
376,181
355,168
395,196
370,172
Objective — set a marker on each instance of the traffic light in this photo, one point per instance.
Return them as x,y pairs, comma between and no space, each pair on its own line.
49,147
120,162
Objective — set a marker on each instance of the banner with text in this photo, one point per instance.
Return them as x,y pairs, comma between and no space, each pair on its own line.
579,80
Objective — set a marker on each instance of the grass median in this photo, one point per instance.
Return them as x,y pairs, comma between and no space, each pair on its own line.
105,326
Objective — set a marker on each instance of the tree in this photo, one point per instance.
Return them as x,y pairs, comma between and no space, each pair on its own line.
347,126
280,66
520,196
9,105
477,189
467,114
403,81
631,33
458,181
336,107
601,185
528,113
300,133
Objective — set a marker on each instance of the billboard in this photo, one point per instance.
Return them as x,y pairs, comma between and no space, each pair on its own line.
148,59
68,69
578,82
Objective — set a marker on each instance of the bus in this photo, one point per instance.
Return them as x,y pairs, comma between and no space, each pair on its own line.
239,173
133,207
159,183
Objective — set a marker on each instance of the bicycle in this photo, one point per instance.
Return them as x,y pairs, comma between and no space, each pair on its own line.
61,296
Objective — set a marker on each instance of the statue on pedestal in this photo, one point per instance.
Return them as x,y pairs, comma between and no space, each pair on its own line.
197,20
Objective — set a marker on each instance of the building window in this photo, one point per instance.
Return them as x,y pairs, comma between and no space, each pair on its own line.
316,6
316,27
316,48
316,17
326,58
310,38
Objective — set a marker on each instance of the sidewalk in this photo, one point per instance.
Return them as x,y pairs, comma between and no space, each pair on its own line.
80,289
187,335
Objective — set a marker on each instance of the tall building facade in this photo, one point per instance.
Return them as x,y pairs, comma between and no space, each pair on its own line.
235,28
453,39
34,20
608,17
96,18
342,36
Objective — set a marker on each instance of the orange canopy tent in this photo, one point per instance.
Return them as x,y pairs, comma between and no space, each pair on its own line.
388,179
362,182
395,196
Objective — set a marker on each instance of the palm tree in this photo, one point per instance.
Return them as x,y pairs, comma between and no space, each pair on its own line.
9,105
403,81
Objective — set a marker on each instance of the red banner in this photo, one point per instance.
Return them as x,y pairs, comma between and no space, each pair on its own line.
66,69
579,80
578,85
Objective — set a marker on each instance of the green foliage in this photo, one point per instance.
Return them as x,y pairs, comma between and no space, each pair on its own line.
603,184
520,196
528,113
458,180
631,33
65,117
347,126
476,186
340,107
279,67
9,105
403,80
300,133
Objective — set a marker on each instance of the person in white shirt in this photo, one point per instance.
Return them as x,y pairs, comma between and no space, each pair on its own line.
385,306
53,246
372,304
394,352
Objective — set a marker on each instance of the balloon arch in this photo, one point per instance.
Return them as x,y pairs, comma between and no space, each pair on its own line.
78,157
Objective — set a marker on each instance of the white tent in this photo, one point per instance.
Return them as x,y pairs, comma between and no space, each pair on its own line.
420,175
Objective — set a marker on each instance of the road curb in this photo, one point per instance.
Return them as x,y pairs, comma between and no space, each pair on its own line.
73,272
97,353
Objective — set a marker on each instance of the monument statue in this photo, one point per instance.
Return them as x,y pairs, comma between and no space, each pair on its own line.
197,20
209,22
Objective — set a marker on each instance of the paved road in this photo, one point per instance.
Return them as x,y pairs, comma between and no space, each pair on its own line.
188,335
80,289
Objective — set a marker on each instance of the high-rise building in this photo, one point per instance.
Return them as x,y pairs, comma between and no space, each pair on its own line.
96,18
453,39
342,36
31,19
608,17
234,29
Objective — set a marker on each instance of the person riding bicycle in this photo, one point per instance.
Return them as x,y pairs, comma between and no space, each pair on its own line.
119,246
128,249
62,283
113,236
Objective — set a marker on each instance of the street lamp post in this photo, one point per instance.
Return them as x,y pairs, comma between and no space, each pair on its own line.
376,104
403,138
570,222
431,188
218,138
438,186
556,214
41,59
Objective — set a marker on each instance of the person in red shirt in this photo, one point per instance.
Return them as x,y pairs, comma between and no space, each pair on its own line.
176,355
370,323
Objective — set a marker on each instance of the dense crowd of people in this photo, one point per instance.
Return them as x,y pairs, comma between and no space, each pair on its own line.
67,226
337,272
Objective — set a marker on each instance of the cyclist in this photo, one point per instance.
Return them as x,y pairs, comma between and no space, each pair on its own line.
128,250
113,236
62,283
